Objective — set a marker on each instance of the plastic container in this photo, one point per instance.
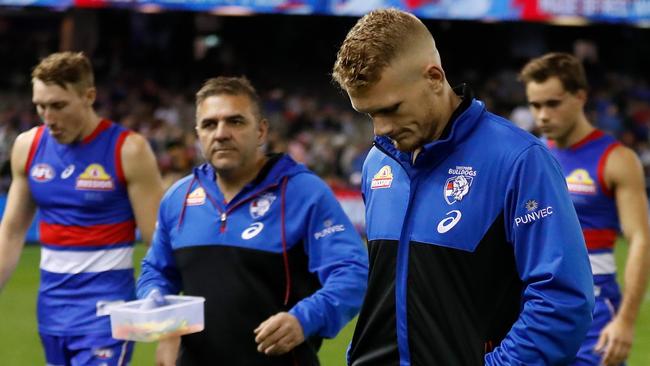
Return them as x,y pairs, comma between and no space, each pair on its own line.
182,315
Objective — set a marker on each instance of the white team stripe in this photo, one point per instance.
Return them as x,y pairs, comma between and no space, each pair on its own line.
602,263
69,261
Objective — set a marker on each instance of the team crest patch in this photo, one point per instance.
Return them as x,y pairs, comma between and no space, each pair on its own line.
383,178
580,182
260,206
42,173
196,198
95,178
457,186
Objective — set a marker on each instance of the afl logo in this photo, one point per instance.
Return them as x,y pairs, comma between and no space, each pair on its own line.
42,173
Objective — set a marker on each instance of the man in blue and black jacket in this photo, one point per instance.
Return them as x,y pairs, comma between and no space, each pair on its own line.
260,237
476,254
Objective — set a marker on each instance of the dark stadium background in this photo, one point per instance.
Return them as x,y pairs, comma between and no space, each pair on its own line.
149,65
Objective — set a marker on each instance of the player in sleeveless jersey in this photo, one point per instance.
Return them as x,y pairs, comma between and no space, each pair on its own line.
607,187
92,181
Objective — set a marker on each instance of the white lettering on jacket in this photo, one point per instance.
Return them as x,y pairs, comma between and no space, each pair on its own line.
534,216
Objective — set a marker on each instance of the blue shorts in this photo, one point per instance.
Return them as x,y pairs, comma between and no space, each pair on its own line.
88,350
605,308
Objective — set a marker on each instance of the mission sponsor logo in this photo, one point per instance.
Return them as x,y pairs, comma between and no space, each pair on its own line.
196,198
533,213
329,229
42,173
457,186
383,178
260,206
95,178
580,182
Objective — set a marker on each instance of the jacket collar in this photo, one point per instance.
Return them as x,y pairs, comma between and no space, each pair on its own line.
276,168
461,124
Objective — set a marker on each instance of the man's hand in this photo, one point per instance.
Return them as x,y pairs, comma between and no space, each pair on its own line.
279,334
615,342
167,351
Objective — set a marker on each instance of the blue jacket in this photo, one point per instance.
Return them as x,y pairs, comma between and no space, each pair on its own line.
476,254
282,244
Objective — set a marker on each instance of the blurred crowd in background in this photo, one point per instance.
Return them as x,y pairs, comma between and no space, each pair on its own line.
147,76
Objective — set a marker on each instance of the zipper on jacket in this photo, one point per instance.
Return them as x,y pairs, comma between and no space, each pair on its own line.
223,222
223,215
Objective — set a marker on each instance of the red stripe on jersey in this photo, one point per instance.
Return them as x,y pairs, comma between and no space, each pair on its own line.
601,169
33,147
600,238
102,126
80,236
118,156
595,134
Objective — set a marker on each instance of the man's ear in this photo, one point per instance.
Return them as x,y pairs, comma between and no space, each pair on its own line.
263,130
435,75
90,95
581,95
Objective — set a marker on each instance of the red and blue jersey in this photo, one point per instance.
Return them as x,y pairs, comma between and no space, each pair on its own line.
87,228
583,165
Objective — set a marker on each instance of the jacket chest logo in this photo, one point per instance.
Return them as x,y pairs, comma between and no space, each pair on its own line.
458,185
252,231
95,178
261,205
383,178
452,218
196,198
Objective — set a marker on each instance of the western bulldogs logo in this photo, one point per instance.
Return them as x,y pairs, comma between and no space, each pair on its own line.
260,206
457,187
42,173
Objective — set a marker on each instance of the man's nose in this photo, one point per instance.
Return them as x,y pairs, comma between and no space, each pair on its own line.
382,125
543,114
221,132
46,116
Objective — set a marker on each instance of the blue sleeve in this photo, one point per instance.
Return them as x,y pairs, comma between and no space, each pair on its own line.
552,262
339,258
159,266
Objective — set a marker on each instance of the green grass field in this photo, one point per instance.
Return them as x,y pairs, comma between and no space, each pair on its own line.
19,343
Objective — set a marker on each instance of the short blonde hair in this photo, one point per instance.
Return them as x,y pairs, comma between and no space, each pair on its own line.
371,45
63,68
